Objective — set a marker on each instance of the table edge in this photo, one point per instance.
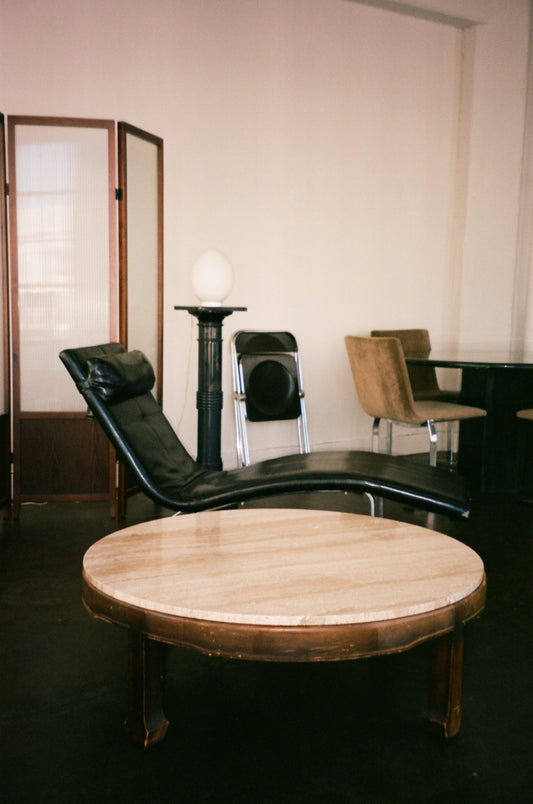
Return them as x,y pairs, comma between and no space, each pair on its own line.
465,363
296,643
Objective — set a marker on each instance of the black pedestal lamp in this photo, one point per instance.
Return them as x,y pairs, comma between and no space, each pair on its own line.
212,280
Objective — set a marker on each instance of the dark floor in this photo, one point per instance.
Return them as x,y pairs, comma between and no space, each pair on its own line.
252,732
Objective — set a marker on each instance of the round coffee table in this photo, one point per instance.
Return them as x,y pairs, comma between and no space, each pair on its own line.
283,585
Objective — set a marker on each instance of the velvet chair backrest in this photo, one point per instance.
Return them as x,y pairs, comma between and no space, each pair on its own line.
381,379
415,343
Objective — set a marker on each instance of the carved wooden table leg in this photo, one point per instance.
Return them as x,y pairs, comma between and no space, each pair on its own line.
146,722
444,713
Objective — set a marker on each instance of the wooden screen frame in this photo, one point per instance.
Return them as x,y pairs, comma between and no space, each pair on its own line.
123,130
94,435
5,418
126,484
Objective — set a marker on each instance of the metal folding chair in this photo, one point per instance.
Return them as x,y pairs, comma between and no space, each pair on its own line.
267,384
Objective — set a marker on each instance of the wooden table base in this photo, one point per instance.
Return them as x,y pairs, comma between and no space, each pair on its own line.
147,725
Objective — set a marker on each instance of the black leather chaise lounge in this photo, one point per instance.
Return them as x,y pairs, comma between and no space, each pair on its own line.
116,385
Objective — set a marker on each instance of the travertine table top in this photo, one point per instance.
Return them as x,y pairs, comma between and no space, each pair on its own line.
284,567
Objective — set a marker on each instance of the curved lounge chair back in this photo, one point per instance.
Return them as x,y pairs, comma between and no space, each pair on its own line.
137,428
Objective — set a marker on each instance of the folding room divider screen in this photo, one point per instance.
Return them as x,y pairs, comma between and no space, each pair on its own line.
65,291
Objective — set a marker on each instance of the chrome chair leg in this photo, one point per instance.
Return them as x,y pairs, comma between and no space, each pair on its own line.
377,502
388,442
243,451
453,441
303,429
371,503
375,435
433,443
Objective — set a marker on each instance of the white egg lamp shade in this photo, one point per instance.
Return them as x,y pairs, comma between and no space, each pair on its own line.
212,278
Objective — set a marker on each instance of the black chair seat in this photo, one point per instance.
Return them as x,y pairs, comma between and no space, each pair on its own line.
392,477
146,442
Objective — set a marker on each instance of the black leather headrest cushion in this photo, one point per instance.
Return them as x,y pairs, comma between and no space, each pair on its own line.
118,377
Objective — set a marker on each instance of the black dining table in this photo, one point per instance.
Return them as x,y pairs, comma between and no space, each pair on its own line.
493,451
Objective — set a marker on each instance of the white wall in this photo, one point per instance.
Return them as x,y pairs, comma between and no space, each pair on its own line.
494,174
356,173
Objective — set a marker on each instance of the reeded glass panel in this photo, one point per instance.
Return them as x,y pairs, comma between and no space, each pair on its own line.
63,255
142,287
